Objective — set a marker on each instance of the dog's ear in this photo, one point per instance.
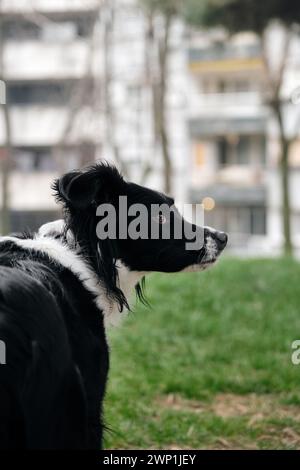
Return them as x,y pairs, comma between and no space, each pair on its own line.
81,189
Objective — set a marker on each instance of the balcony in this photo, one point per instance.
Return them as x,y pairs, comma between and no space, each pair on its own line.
44,125
224,52
34,60
31,191
47,6
225,195
207,127
224,58
227,104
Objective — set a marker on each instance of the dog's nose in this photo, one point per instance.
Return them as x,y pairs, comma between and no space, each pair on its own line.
222,239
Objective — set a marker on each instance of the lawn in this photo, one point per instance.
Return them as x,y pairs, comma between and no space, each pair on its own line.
208,365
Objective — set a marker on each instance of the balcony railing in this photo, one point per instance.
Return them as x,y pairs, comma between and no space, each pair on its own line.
31,191
45,125
25,6
227,103
219,125
224,52
231,195
32,60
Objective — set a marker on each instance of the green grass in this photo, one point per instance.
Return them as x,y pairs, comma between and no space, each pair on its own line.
209,364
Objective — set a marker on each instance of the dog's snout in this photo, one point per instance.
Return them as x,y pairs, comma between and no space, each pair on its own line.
222,239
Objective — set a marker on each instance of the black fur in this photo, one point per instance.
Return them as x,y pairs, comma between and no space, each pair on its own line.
80,194
52,386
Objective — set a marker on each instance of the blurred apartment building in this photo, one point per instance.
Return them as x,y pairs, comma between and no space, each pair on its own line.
78,89
235,153
45,57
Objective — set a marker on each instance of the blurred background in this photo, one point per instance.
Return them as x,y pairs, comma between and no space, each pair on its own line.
200,99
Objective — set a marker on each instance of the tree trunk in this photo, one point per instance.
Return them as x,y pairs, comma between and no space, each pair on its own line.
110,118
286,205
285,180
275,84
166,160
161,105
150,83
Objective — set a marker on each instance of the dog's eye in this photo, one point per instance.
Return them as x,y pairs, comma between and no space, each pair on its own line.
160,219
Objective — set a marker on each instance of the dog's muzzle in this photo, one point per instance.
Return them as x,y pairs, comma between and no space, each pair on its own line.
214,243
221,239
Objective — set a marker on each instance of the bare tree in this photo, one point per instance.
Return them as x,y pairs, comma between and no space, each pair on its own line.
102,84
159,101
274,100
150,81
80,95
159,38
108,15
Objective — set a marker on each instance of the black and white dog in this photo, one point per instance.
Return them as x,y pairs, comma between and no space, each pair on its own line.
59,289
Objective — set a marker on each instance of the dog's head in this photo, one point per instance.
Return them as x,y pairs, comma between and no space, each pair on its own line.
113,220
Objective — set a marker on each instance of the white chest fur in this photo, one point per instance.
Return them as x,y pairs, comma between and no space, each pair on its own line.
62,254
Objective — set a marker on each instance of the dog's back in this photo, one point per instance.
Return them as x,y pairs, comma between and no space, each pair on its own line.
39,384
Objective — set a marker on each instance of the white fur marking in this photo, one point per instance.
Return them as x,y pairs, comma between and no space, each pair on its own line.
55,229
127,282
211,250
63,255
52,229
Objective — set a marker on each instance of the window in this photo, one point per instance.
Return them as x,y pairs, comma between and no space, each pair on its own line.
34,159
243,150
258,221
84,26
19,30
238,220
223,151
262,150
235,150
39,93
46,159
54,29
31,220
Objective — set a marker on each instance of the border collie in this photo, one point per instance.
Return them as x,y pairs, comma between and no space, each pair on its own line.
59,289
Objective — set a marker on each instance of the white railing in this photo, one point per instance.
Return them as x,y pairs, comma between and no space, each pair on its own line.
27,6
245,102
33,60
45,125
31,191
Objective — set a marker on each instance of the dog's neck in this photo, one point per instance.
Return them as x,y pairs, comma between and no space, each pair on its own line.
55,231
53,241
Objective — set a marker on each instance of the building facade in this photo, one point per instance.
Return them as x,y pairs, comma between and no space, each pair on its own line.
235,151
45,51
78,90
79,78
